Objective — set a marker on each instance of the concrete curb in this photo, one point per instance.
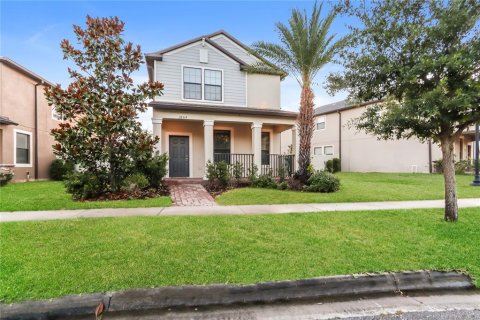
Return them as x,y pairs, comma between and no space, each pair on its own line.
210,295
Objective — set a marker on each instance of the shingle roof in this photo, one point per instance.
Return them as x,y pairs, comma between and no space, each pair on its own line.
7,121
340,106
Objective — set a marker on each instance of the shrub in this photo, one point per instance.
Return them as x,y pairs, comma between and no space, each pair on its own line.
237,170
295,184
252,174
329,165
282,173
265,181
337,165
135,183
6,174
59,169
218,175
282,185
83,185
155,169
461,166
322,181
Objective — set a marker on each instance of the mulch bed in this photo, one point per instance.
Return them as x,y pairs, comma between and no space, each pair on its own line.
142,194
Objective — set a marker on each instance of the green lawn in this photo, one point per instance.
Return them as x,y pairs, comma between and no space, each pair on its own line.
51,195
359,187
45,259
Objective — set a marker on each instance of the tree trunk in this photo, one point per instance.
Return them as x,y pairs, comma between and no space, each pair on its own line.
451,206
305,126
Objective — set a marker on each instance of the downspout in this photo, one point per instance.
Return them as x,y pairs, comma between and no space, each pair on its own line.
340,136
35,139
430,169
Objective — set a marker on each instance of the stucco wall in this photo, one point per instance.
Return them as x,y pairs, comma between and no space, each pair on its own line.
17,102
263,91
365,153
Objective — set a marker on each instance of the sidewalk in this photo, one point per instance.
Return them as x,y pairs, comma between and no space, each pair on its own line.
230,210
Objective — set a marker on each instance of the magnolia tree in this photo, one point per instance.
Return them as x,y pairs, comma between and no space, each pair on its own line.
421,60
101,132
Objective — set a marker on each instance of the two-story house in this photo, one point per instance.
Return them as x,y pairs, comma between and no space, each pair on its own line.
334,137
25,122
215,108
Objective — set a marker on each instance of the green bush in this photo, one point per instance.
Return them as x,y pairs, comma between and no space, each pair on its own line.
329,165
322,181
337,165
135,183
282,185
6,174
237,170
461,166
59,169
252,174
154,169
265,181
83,185
218,174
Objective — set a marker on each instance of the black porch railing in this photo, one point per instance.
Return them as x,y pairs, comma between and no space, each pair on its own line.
271,163
243,160
274,164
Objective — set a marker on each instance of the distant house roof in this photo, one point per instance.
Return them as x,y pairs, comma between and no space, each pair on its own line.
158,55
7,121
340,106
32,75
222,109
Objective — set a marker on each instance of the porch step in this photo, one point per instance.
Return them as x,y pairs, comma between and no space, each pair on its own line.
177,181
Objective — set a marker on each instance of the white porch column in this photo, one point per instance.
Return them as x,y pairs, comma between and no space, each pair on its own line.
257,144
208,140
157,132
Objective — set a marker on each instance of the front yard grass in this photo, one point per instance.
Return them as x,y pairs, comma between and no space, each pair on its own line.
51,195
359,187
45,259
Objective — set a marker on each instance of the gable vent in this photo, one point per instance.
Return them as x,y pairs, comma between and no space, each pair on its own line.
203,55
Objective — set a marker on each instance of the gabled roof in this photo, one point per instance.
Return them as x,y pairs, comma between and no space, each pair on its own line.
7,121
32,75
340,106
158,55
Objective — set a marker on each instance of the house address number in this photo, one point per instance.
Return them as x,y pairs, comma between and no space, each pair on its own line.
182,117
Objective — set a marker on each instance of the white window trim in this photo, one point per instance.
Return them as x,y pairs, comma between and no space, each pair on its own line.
190,150
333,150
55,112
232,139
318,121
22,165
203,84
321,151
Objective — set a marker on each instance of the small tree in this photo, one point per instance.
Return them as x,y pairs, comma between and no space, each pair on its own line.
421,60
305,47
102,133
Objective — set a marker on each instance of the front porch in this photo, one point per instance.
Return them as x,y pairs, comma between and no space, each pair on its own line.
194,139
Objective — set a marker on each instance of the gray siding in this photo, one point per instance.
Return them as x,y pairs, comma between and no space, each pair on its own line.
235,49
169,72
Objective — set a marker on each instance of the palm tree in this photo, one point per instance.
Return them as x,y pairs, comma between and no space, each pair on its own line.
305,47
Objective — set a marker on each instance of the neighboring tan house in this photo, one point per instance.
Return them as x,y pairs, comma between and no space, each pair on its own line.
212,109
361,152
25,122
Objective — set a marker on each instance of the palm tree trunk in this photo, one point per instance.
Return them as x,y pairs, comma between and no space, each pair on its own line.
451,206
305,126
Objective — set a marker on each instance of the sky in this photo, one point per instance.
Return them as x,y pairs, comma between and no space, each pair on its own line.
31,32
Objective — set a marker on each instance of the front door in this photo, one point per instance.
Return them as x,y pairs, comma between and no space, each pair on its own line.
178,155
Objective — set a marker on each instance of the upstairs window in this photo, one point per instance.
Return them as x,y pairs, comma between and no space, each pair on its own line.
202,84
213,85
192,83
321,123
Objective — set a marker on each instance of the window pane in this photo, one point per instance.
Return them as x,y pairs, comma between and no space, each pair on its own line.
192,91
320,125
317,151
22,140
213,77
328,150
192,75
265,148
221,141
213,93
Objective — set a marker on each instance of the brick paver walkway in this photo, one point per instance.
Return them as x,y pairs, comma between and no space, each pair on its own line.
186,195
